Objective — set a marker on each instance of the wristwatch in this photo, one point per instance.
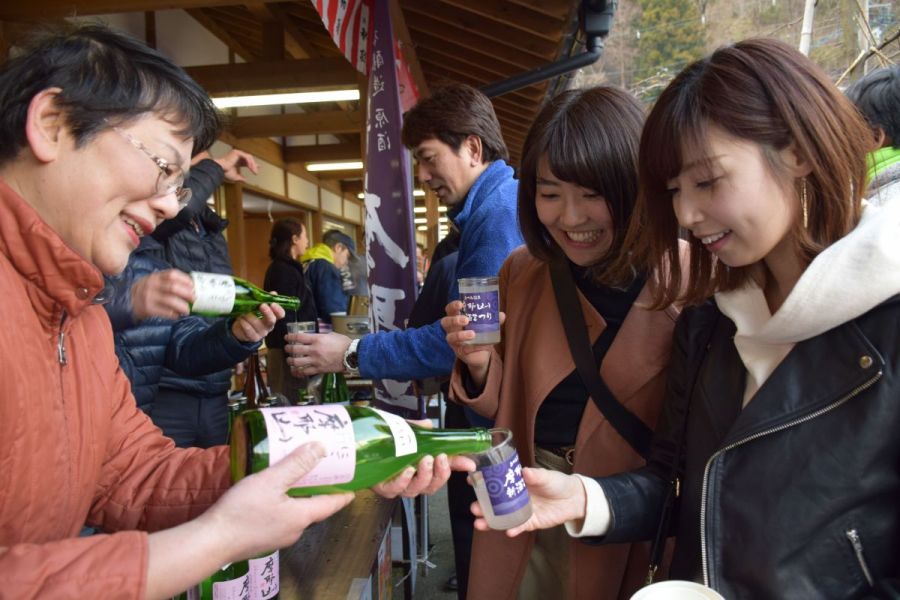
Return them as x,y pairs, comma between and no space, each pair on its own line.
351,359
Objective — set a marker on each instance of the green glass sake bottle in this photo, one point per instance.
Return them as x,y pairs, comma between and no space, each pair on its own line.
334,388
364,445
218,295
231,581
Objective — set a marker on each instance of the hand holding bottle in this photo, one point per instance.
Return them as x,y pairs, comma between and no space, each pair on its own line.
249,328
427,477
164,294
555,499
251,531
476,357
235,528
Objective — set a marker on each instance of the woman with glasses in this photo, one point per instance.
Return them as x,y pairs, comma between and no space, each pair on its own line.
96,131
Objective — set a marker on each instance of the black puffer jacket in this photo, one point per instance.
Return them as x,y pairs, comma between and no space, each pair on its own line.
193,241
798,494
286,277
188,346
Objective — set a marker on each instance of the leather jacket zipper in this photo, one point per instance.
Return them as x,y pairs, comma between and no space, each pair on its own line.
853,536
703,491
61,342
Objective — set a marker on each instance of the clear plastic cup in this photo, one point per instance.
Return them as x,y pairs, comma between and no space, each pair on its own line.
677,590
481,303
498,483
302,327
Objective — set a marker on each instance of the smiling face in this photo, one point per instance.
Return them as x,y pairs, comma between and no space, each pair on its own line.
578,219
732,201
449,174
102,197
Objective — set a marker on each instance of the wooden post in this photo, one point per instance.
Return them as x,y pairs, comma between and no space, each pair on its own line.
236,235
432,214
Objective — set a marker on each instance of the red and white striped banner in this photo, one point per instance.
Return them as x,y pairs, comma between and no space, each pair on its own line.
349,24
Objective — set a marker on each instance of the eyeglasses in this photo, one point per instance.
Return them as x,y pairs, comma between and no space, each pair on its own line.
171,177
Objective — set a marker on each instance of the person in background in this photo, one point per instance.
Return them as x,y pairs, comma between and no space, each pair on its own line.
877,96
460,153
192,409
96,131
355,276
784,388
323,263
578,186
287,242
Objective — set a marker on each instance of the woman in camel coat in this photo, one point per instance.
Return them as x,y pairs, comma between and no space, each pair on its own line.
577,188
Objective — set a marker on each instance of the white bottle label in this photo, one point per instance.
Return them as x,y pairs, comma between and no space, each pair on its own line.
235,589
213,293
404,438
330,425
264,574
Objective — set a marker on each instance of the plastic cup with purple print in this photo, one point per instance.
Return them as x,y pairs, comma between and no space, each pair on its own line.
498,483
481,303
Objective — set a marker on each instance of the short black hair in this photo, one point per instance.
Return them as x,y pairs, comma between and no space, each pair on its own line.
451,114
107,79
877,96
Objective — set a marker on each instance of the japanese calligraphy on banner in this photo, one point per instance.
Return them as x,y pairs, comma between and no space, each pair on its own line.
348,23
390,239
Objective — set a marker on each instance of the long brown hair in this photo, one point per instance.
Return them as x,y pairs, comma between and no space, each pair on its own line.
762,91
589,138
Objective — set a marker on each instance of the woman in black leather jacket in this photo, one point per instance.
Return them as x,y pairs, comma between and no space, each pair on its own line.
786,387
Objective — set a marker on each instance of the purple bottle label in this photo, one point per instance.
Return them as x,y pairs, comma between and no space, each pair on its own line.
483,310
505,486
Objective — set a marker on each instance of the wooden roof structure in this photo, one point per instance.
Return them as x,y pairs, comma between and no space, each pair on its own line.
286,47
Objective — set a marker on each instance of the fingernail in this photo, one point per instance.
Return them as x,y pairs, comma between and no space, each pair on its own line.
409,472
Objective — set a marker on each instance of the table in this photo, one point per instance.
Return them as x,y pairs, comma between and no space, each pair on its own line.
325,561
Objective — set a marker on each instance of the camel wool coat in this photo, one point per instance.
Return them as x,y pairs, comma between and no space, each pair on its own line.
531,360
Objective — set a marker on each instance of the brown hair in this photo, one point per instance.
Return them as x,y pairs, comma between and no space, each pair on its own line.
589,138
451,114
763,91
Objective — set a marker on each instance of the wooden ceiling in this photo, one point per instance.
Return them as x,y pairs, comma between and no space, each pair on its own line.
286,47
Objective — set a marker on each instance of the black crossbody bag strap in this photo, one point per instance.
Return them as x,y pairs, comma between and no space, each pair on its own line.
674,490
630,427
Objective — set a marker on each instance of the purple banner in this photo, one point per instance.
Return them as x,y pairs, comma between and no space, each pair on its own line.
390,237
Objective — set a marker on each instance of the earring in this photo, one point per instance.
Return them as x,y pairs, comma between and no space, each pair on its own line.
804,204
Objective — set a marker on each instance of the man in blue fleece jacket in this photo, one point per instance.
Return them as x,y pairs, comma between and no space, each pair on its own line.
456,140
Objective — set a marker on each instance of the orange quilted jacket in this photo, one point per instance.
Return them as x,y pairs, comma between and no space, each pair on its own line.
74,448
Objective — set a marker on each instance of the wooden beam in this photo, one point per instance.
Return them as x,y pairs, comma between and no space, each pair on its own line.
215,28
551,8
502,12
479,27
338,175
20,10
272,33
354,186
477,77
305,154
296,39
432,34
337,121
309,73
